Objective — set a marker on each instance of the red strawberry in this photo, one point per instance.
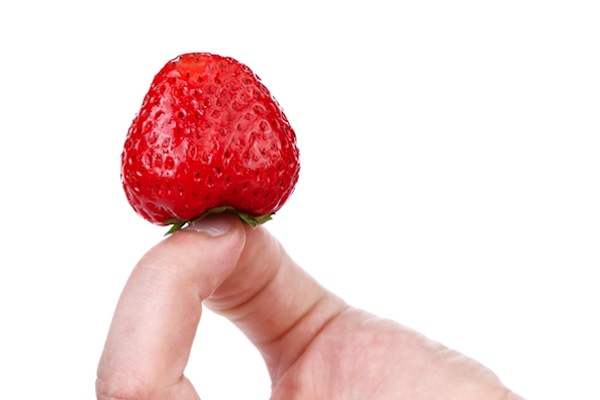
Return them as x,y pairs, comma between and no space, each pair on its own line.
208,138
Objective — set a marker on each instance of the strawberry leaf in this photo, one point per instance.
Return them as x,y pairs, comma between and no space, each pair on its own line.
253,221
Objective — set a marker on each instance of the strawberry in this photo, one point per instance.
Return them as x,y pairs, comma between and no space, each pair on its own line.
209,138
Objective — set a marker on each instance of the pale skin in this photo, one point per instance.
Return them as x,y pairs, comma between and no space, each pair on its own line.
315,346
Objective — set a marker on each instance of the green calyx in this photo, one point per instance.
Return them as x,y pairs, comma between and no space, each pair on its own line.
177,224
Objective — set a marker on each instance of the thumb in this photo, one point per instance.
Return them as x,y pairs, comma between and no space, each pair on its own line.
275,303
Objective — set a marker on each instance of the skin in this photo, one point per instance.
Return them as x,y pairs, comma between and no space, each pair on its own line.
315,346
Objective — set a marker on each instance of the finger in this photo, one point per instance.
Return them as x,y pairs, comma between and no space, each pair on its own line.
277,305
155,320
245,275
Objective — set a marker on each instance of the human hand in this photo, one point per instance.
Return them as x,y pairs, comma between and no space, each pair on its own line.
315,346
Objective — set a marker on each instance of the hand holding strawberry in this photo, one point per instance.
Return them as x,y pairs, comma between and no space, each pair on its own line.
209,138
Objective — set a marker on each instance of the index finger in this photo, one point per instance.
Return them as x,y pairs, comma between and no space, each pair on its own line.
155,320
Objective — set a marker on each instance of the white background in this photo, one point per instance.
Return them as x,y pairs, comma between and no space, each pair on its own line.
450,176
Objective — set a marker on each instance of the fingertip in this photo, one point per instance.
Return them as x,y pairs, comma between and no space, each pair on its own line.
218,235
206,252
214,225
